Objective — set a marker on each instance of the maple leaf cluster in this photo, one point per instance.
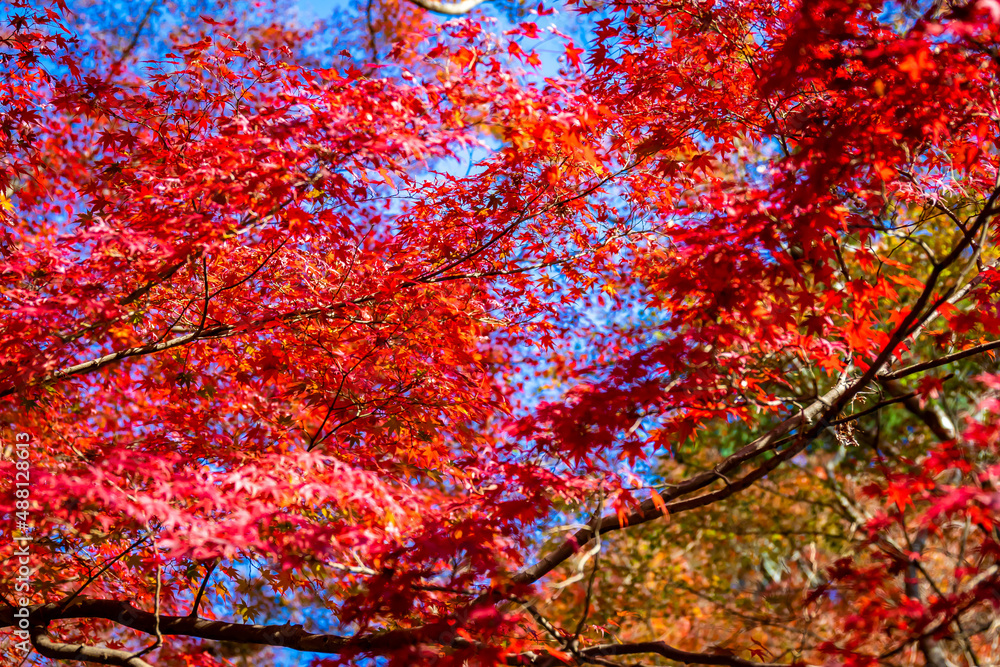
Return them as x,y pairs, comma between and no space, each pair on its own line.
465,345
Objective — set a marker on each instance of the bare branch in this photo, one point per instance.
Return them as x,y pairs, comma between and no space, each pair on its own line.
671,653
448,8
289,636
932,416
940,361
138,31
201,589
156,612
59,651
648,510
104,568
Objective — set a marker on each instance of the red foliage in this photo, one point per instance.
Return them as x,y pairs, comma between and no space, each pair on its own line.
254,317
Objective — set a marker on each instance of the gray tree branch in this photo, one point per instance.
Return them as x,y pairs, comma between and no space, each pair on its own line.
448,8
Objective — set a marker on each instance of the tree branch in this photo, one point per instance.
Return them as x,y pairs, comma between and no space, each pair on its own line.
294,637
290,636
936,421
940,361
648,510
448,8
59,651
671,653
817,414
201,589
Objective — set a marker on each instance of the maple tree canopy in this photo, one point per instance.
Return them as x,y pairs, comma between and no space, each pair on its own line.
664,337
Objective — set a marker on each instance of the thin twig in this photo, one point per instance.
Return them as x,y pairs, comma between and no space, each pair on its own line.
201,589
156,612
65,603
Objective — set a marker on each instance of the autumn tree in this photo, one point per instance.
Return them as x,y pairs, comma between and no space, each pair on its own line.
472,344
